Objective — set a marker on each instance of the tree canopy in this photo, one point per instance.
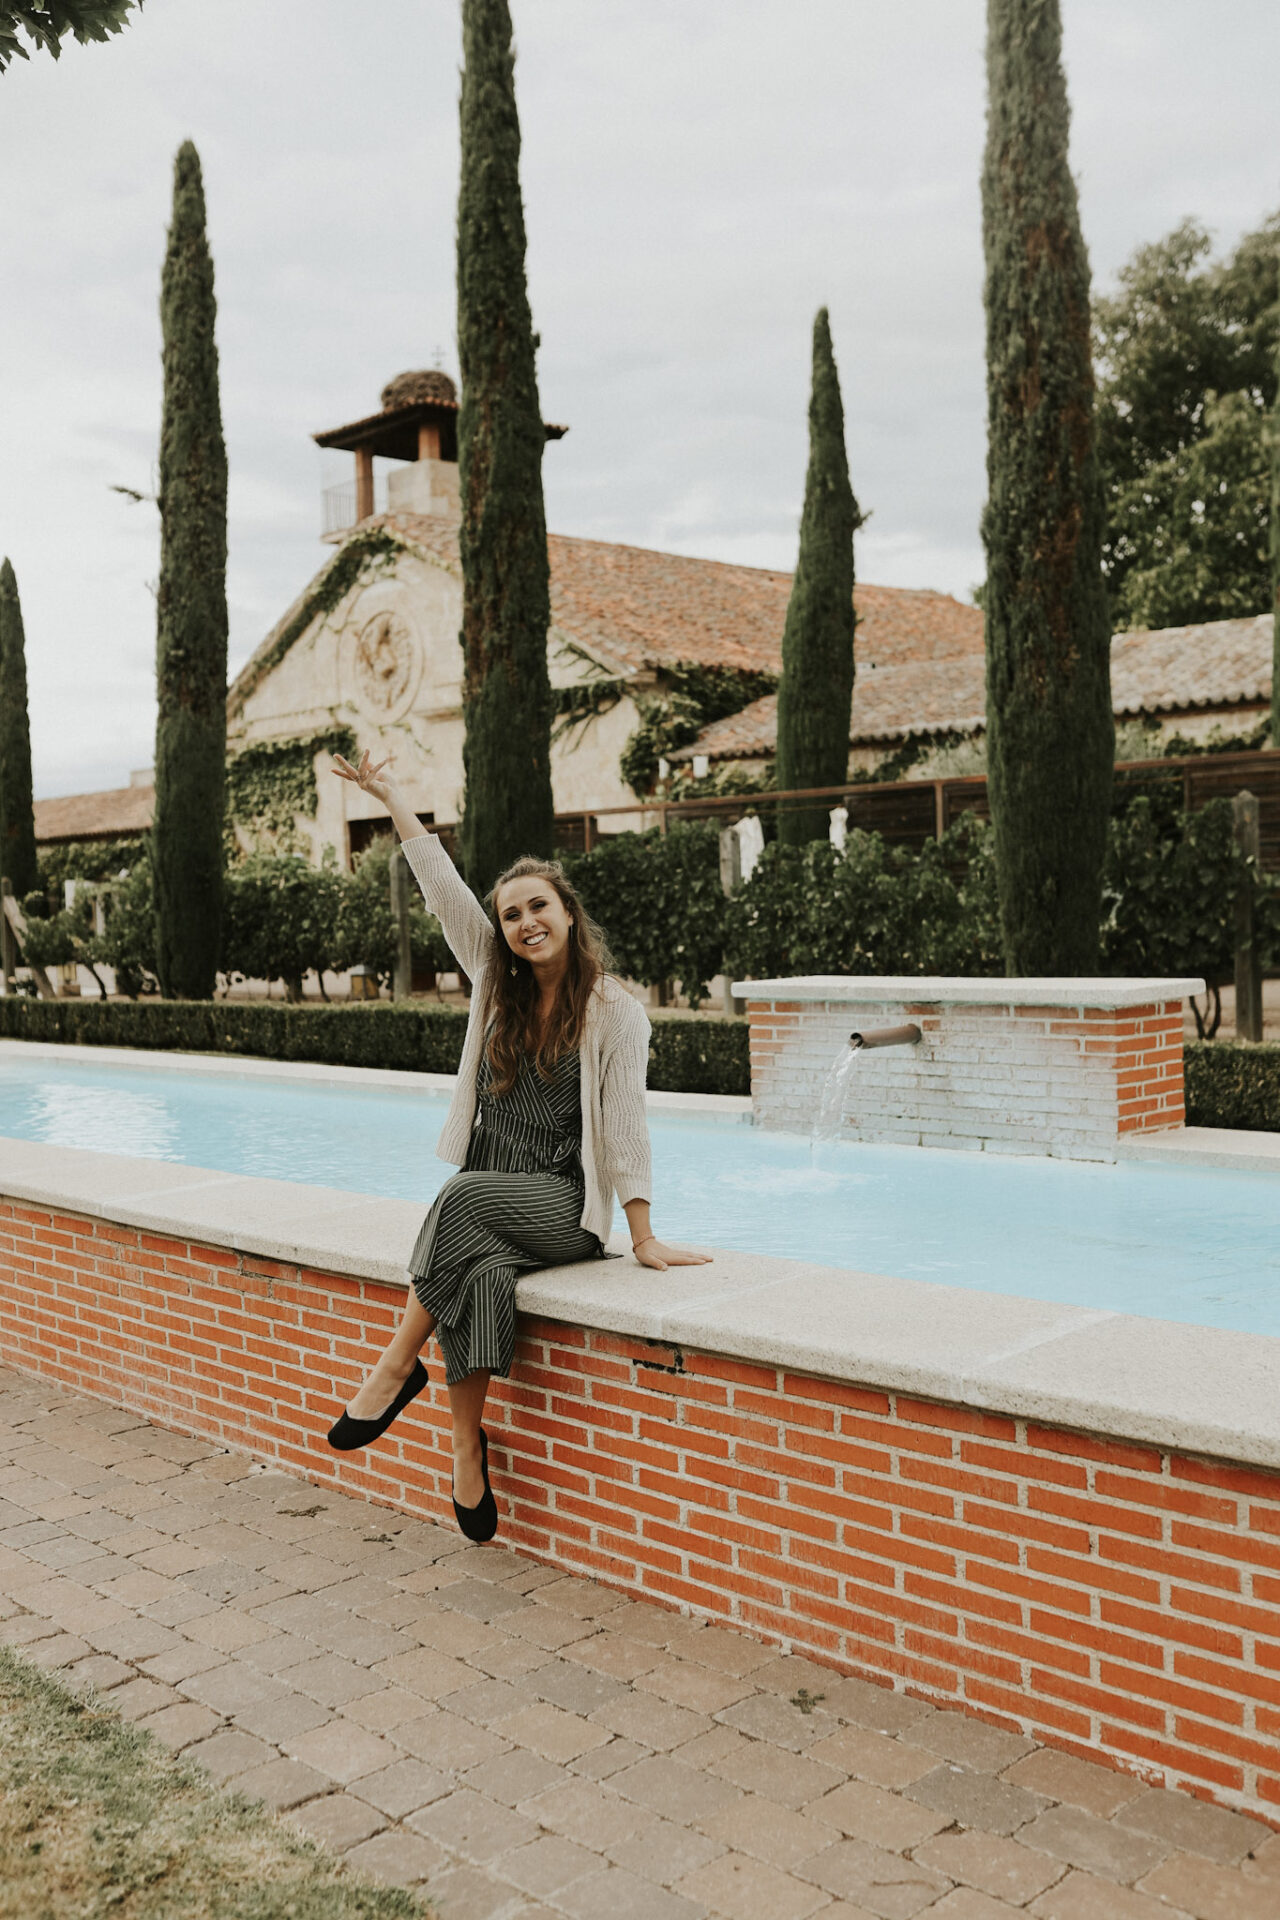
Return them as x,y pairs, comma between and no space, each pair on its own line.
1186,355
48,22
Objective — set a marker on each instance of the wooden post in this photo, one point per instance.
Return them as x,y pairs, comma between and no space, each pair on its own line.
364,484
1248,958
8,945
428,441
402,976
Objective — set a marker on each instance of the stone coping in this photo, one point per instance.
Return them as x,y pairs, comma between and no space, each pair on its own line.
1197,1389
732,1106
962,990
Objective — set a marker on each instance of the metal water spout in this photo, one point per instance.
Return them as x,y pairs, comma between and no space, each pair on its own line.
886,1037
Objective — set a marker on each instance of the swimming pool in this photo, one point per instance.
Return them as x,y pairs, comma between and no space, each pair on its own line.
1201,1246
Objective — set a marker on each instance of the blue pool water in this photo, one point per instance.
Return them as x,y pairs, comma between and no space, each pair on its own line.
1195,1246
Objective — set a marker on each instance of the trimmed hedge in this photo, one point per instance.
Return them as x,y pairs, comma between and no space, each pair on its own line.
686,1056
1233,1084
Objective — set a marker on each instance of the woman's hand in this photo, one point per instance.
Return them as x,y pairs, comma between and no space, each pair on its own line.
655,1253
366,776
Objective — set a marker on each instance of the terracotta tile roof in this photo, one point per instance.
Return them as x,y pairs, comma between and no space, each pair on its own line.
637,609
95,816
1224,663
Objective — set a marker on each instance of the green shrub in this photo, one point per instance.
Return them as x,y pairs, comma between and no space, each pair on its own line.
658,898
1233,1084
364,933
686,1056
873,908
700,1056
278,919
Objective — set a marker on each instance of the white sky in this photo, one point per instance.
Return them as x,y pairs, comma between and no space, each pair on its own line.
699,176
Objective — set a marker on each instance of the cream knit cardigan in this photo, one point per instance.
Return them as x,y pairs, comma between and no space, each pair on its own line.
614,1053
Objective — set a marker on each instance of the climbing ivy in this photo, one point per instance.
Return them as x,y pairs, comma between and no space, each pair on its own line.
692,696
371,547
271,781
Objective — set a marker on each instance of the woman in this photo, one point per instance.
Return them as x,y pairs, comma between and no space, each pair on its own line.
547,1121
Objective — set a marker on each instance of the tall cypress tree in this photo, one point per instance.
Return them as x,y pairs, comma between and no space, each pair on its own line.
506,608
1051,736
816,690
191,633
17,820
1275,563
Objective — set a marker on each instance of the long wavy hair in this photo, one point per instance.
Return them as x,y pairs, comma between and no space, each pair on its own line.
512,1007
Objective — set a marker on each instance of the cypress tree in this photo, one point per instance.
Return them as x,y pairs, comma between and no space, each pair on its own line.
816,690
1275,562
1050,732
506,608
17,820
191,631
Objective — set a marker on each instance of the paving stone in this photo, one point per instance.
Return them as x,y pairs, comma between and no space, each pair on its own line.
61,1650
471,1893
1265,1859
403,1787
424,1672
876,1757
1193,1826
866,1705
792,1779
232,1688
514,1776
282,1783
181,1726
280,1718
463,1637
505,1659
665,1851
772,1717
770,1832
488,1701
552,1732
873,1881
471,1824
547,1864
616,1655
182,1661
1097,1846
651,1722
615,1894
976,1799
229,1752
396,1858
338,1821
744,1888
593,1816
342,1751
137,1698
548,1628
279,1653
601,1763
885,1820
229,1631
1082,1897
997,1865
1211,1891
381,1710
99,1671
482,1599
576,1688
676,1792
685,1683
330,1680
968,1903
447,1740
24,1629
968,1742
1081,1783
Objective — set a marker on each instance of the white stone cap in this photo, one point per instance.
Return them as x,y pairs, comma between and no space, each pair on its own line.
962,990
1199,1389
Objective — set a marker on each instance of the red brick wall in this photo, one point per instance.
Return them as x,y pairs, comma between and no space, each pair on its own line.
1107,1597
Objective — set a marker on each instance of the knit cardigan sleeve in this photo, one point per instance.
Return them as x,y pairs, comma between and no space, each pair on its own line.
464,921
624,1065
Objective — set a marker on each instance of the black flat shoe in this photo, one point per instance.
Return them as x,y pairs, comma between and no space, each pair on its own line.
480,1523
347,1433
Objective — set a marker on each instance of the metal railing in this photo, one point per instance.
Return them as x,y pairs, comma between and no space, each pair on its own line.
338,504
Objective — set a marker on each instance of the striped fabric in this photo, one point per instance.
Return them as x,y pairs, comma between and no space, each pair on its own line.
516,1205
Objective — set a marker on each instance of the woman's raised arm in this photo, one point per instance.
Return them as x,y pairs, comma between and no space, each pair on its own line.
464,920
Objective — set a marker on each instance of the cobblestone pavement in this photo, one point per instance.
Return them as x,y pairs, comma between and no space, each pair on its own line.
519,1743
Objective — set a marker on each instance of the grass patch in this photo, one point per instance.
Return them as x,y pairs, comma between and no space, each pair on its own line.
98,1819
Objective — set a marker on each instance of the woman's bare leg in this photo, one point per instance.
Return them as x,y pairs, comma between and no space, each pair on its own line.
396,1364
466,1404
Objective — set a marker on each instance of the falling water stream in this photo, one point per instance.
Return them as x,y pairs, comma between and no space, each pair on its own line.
835,1093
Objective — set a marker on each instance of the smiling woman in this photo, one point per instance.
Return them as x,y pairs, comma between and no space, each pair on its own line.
547,1123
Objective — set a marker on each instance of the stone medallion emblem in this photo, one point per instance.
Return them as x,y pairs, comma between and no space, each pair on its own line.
384,663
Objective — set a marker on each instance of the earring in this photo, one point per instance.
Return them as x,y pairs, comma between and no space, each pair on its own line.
513,970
